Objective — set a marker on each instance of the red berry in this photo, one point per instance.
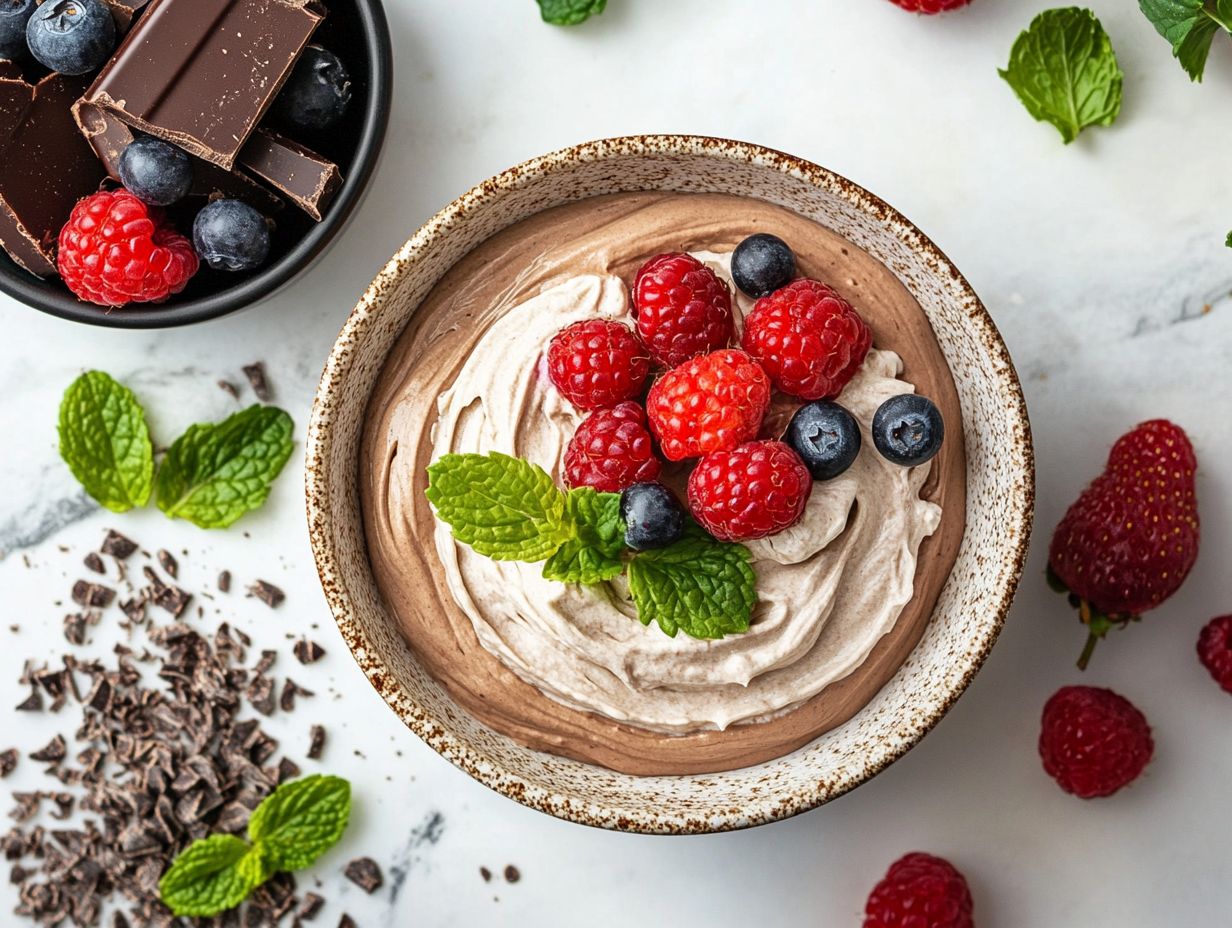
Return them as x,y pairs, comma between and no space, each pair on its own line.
597,363
1215,650
1093,741
808,338
683,308
930,6
114,251
611,450
711,403
920,891
1131,538
752,491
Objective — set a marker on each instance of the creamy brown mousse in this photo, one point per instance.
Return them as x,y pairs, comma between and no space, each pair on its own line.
604,239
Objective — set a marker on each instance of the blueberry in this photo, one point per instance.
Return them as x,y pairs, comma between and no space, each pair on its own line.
652,515
14,14
231,236
762,263
908,429
155,172
71,36
316,95
826,437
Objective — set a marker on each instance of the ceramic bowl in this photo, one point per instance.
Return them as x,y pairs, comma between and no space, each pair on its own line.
359,31
968,615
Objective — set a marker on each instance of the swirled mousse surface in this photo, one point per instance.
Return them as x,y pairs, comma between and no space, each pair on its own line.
843,596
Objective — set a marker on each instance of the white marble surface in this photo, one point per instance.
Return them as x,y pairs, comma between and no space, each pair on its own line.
1095,260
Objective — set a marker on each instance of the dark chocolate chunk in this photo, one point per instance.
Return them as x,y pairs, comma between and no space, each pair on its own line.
307,179
45,167
290,690
364,873
261,695
311,906
269,594
265,662
287,770
93,562
200,74
90,594
173,599
8,762
118,546
308,652
32,703
486,874
167,561
228,387
255,373
135,609
512,874
224,582
316,742
346,922
75,628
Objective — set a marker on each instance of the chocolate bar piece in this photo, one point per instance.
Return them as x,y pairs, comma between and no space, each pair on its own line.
125,11
45,167
108,136
200,74
307,179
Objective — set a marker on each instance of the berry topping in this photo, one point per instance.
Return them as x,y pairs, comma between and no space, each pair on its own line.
652,515
231,236
808,338
71,36
920,891
930,6
755,490
611,450
1131,538
683,308
1215,650
597,363
316,95
14,14
908,429
113,251
1093,741
761,264
153,171
711,403
826,437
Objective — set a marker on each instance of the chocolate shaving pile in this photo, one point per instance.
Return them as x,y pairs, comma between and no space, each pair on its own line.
161,755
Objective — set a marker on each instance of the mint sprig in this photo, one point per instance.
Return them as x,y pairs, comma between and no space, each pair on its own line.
1065,72
569,12
1190,27
105,441
216,472
288,831
510,509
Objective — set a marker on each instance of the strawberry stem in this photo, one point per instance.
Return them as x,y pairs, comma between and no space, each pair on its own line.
1088,650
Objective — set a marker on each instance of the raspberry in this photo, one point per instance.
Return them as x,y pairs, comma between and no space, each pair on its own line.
597,363
1131,538
683,308
930,6
114,251
1093,741
711,403
749,492
1215,650
808,338
920,891
611,450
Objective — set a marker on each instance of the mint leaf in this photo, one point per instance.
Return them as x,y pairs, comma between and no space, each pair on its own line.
504,508
300,821
1065,72
210,876
105,441
569,12
594,555
1189,26
700,586
1228,240
216,472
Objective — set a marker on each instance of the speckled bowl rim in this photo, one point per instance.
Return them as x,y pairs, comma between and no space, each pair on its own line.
433,731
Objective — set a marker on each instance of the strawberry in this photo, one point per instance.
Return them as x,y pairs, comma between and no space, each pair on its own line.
1131,538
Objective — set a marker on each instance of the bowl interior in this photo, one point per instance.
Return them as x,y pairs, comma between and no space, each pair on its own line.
972,605
358,32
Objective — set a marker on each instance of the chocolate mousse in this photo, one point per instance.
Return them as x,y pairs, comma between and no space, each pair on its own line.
843,595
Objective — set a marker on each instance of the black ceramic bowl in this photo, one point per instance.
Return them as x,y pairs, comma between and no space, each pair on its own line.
359,33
